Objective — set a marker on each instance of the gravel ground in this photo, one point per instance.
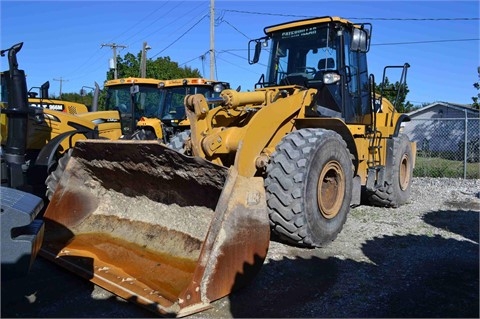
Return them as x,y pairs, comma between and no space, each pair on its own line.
419,260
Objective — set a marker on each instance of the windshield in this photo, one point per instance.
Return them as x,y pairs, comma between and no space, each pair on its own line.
174,108
146,101
302,54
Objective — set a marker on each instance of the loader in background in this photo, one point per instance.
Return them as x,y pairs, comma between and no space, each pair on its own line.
291,157
41,99
153,109
149,109
47,131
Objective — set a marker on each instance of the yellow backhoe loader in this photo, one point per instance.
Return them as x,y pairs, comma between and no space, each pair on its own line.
175,228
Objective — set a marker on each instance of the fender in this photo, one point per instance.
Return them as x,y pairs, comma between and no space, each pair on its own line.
401,119
333,124
47,153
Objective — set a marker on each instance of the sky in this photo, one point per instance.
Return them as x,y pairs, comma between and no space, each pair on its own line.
69,42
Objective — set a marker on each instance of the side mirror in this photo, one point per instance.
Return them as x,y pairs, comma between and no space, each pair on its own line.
258,49
359,40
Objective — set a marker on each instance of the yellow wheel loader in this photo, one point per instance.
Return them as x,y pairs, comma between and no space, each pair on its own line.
41,133
45,102
175,228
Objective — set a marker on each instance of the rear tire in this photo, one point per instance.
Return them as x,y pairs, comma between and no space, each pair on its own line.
309,187
54,177
396,192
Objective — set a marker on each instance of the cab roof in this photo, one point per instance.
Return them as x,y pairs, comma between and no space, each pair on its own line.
131,80
304,23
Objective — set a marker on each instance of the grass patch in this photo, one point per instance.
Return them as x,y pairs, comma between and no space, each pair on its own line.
440,167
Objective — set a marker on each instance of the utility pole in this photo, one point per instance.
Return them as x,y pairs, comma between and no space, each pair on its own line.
212,40
114,47
61,81
143,60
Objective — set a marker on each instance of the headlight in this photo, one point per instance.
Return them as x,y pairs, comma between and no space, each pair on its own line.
51,117
218,87
331,77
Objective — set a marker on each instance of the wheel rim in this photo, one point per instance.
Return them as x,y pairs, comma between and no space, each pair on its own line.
331,190
404,176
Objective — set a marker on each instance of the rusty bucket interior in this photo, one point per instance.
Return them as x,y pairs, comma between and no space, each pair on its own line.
169,232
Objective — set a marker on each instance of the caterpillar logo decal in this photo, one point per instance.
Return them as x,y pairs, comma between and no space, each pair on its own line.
51,106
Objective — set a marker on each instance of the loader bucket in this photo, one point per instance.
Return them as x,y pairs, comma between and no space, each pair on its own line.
169,232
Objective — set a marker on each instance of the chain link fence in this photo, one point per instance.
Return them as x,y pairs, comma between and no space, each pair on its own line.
446,147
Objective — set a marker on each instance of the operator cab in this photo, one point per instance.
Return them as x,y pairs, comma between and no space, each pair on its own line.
172,99
133,101
328,54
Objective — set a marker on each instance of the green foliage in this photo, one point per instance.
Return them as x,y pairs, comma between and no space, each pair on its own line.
76,97
475,99
390,91
440,167
161,68
129,66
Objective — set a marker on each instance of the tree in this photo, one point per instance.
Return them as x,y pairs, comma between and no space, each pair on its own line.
475,99
162,68
76,97
390,91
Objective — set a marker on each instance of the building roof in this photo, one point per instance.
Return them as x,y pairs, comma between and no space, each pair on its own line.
455,106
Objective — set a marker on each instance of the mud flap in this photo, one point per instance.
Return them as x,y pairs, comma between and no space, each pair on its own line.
166,231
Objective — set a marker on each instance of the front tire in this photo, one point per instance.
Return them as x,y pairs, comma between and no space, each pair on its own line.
54,177
309,187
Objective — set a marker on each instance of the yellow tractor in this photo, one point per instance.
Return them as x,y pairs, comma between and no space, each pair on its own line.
174,228
153,109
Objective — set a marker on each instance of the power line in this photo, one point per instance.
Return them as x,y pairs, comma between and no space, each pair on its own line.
181,36
143,19
128,29
236,65
162,16
100,57
268,13
185,14
355,18
420,42
201,56
223,20
417,19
